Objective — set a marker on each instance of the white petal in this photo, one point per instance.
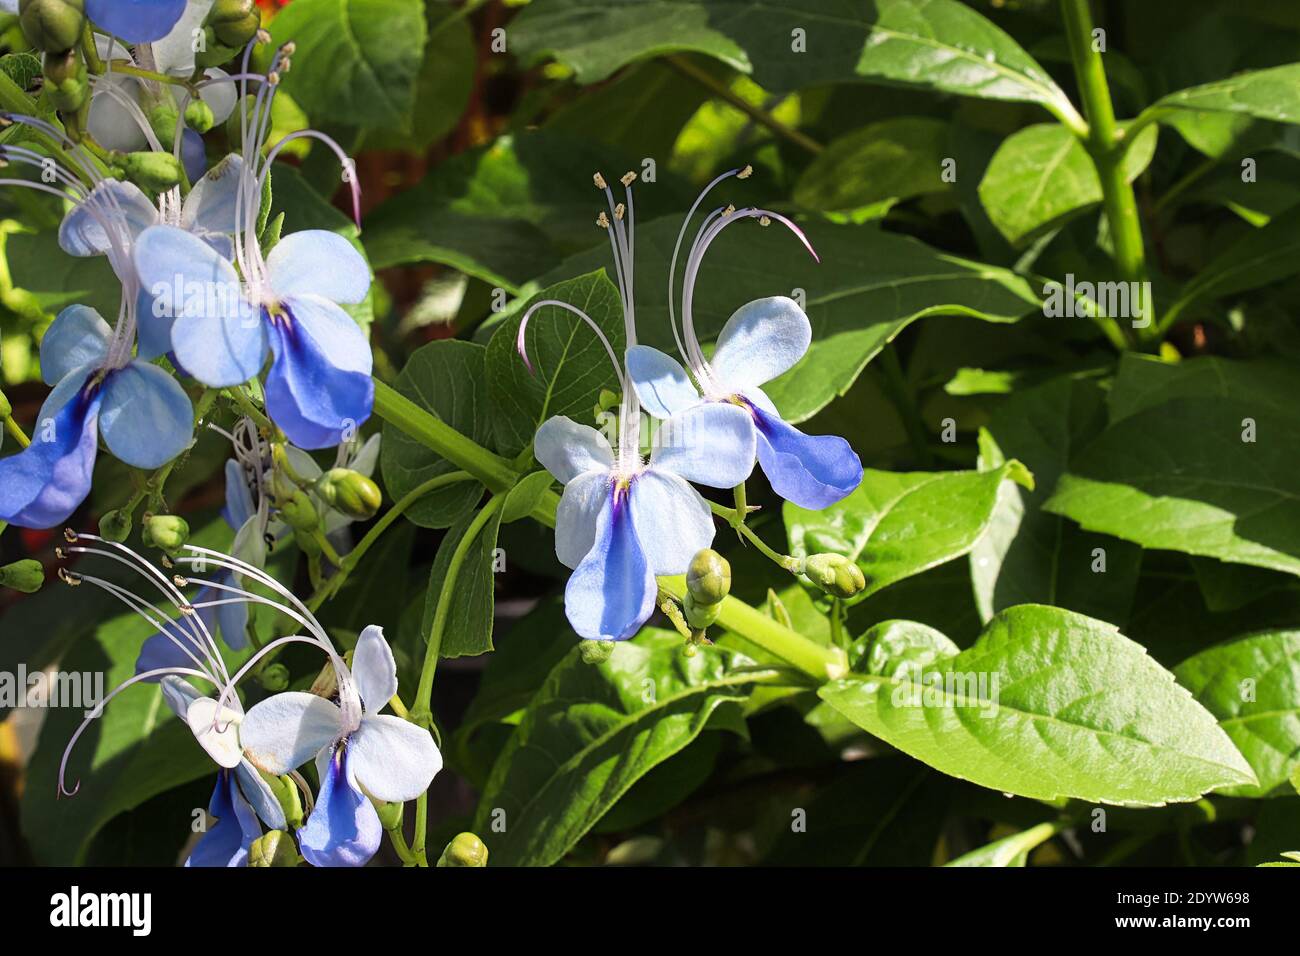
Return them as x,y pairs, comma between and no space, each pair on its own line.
178,694
712,444
217,734
672,521
567,449
576,516
288,729
661,383
303,463
374,669
760,341
393,759
174,53
111,123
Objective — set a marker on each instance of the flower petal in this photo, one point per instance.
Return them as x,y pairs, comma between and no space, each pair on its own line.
174,53
661,383
239,498
178,694
374,669
393,759
811,471
288,729
567,449
153,329
136,21
367,458
258,793
44,483
217,733
672,520
146,417
344,828
612,592
227,841
218,336
121,206
212,205
319,390
578,514
79,336
760,341
316,262
194,155
111,123
711,444
167,650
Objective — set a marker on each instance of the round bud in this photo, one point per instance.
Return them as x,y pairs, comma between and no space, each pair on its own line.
156,172
700,616
234,22
595,652
198,116
350,492
465,850
168,532
6,409
274,848
708,577
52,25
835,574
66,81
25,575
299,513
115,526
274,677
390,814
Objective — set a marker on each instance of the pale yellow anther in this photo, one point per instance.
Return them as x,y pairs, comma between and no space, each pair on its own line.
628,178
619,210
599,180
746,172
603,221
68,578
764,221
69,536
729,210
179,581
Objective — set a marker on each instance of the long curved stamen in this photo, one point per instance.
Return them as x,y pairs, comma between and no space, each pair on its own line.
344,160
522,348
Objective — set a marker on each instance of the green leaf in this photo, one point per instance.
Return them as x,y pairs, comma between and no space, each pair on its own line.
1050,704
1180,477
895,525
525,495
1145,382
447,378
55,279
1272,94
894,159
1250,685
356,60
591,732
1041,176
468,630
22,68
571,366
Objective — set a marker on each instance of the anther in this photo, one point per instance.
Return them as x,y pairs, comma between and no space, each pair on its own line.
599,180
273,78
289,48
187,609
69,578
69,536
603,221
167,562
746,172
729,210
179,581
60,554
619,210
764,221
263,36
628,178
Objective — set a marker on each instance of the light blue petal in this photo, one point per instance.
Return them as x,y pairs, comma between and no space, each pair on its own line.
218,337
79,336
227,841
343,829
232,621
286,730
136,21
567,449
239,498
153,328
212,205
316,262
120,206
259,796
672,520
319,390
759,342
661,383
811,471
178,694
612,592
44,483
374,669
578,513
146,418
711,444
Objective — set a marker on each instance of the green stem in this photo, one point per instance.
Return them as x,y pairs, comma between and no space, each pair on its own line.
90,52
1106,146
895,383
128,69
400,846
16,430
248,408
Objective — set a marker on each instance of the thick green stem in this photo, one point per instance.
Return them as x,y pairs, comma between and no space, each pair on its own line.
1106,146
16,430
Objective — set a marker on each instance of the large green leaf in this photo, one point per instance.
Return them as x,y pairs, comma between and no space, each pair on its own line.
356,60
1272,94
468,628
570,365
1049,704
893,159
1250,685
1144,382
447,378
895,525
1042,175
591,732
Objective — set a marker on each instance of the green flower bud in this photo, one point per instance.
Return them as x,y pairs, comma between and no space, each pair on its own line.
595,652
287,795
274,677
299,513
66,81
234,22
465,850
274,848
198,116
115,526
52,25
6,409
350,492
700,616
214,52
156,172
168,532
26,576
390,814
163,115
835,574
708,578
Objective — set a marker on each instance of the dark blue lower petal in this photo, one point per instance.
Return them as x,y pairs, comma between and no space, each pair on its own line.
611,593
136,21
316,403
811,471
43,484
343,829
194,155
227,841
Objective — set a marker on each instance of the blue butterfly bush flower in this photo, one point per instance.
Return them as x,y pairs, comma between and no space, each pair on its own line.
623,519
759,342
360,753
